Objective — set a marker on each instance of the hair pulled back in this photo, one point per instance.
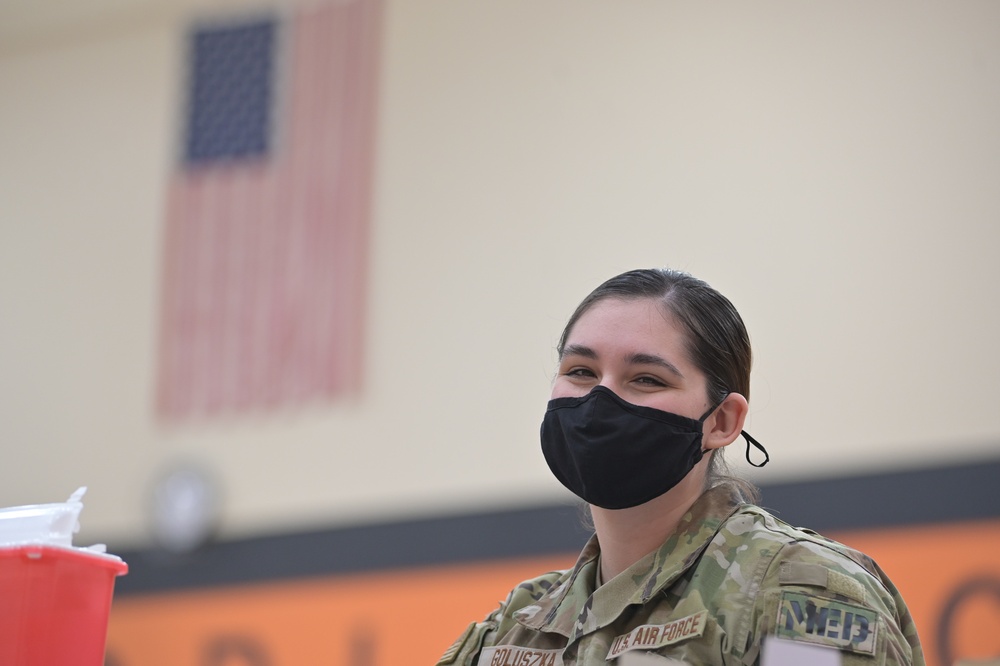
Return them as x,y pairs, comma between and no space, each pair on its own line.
715,339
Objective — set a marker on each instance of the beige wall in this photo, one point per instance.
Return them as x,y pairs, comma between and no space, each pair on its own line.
833,167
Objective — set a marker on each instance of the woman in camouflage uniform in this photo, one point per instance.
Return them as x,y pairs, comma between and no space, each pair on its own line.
654,372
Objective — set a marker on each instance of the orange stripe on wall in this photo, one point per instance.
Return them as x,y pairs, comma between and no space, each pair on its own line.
407,617
412,616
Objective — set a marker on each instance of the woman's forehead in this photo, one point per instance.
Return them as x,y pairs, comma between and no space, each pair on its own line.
627,312
619,322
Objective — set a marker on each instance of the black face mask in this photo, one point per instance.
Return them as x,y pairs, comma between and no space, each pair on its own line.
617,455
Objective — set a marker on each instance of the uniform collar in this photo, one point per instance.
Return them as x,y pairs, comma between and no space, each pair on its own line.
573,608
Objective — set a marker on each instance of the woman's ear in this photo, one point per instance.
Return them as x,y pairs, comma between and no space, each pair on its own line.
725,424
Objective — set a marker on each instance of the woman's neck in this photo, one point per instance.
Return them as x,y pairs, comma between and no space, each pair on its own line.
628,535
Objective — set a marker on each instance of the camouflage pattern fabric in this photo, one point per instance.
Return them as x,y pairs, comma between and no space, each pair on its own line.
730,575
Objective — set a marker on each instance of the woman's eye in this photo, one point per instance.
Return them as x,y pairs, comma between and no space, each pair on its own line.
579,372
650,381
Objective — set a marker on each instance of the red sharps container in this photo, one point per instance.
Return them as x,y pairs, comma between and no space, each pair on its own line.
55,598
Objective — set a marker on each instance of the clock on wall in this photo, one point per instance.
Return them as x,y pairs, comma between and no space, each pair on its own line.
184,508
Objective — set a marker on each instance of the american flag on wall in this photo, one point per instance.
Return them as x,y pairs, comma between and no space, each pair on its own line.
267,212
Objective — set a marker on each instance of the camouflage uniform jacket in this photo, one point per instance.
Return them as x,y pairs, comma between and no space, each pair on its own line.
728,576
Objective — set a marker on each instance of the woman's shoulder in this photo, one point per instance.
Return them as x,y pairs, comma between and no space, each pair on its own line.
480,634
788,544
813,589
760,554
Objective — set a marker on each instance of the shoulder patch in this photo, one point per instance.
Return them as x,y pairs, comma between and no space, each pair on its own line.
802,573
814,619
816,575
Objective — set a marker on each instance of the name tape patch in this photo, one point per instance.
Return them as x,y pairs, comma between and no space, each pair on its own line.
655,636
512,655
803,617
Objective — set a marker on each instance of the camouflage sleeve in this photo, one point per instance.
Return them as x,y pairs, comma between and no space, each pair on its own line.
906,625
465,651
813,594
478,635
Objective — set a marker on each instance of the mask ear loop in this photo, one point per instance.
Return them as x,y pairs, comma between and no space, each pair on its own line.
746,435
751,440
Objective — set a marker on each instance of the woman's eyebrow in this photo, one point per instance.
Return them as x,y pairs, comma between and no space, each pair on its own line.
578,350
652,359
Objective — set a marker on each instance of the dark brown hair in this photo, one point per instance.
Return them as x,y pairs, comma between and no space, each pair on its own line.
716,339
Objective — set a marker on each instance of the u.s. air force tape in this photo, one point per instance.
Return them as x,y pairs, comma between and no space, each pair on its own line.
655,636
812,619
